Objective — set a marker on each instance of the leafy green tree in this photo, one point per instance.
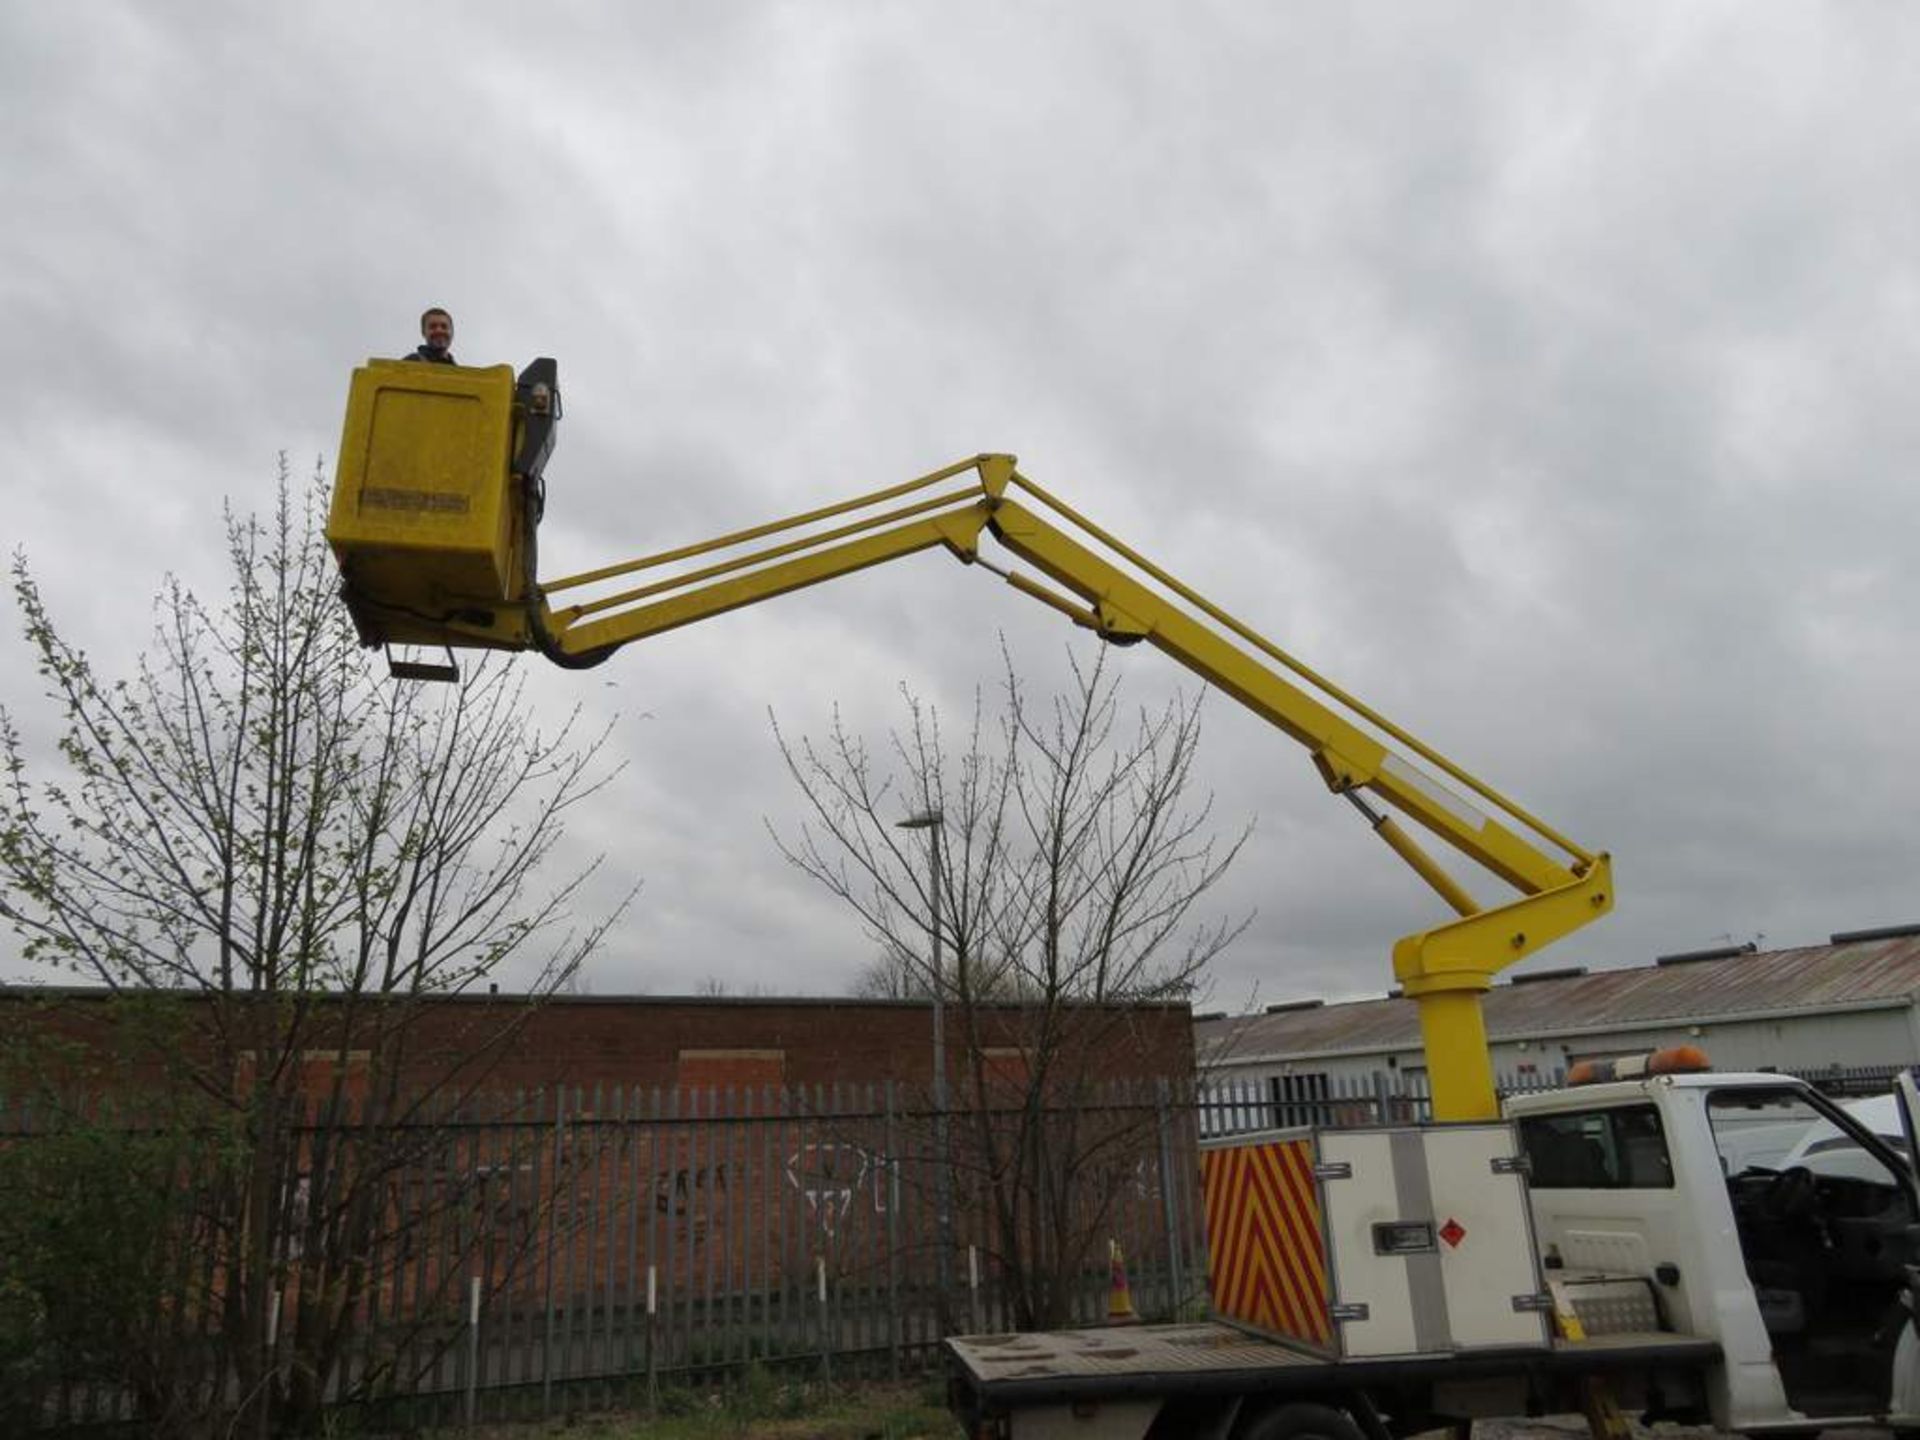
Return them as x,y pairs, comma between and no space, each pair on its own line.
101,1217
314,859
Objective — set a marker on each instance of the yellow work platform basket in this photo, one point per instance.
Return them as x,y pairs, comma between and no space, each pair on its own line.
425,520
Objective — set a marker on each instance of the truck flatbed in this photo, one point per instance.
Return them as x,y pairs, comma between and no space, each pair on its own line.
1210,1358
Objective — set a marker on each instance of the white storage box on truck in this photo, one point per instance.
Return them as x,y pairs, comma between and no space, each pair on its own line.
1366,1243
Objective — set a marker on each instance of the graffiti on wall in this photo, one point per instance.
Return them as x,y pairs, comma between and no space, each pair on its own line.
832,1175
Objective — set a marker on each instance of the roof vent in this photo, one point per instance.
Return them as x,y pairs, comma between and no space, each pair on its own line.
1568,973
1721,952
1286,1005
1885,932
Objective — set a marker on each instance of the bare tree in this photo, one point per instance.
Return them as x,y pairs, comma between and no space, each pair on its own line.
718,987
312,862
1071,858
893,975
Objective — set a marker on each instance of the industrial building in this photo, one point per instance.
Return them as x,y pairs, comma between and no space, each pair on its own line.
1849,1010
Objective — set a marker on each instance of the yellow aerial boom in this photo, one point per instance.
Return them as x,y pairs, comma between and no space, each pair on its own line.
434,518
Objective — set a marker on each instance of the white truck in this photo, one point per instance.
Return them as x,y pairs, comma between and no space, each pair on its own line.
1764,1301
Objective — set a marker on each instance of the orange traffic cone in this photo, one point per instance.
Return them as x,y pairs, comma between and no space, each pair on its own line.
1120,1309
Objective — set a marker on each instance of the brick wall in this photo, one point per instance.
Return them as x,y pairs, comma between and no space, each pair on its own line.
649,1041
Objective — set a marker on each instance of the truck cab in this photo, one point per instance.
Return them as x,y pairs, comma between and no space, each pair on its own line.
1800,1271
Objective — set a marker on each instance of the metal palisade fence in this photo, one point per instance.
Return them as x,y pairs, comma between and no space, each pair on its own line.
541,1251
549,1250
1240,1104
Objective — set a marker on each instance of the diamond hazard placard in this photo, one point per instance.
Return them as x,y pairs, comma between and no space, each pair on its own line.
1453,1232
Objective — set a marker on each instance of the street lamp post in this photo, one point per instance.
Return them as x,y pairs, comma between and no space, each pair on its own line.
932,821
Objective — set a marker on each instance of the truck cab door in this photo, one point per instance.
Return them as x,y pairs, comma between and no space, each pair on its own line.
1826,1224
1907,1090
1904,1401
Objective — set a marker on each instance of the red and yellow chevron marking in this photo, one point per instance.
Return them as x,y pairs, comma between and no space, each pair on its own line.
1265,1258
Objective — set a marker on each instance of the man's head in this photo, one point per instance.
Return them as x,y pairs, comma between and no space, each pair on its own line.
436,328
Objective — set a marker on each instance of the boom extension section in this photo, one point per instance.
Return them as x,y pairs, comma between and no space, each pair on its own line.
434,520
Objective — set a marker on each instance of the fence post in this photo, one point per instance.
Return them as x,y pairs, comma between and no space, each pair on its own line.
473,1351
892,1177
653,1363
631,1131
551,1218
826,1334
973,1286
1176,1282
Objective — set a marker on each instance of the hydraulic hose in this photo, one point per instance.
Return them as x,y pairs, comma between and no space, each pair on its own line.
533,501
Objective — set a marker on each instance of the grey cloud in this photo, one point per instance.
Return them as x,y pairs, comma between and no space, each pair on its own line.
1542,375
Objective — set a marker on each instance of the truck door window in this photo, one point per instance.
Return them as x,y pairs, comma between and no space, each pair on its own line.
1615,1149
1754,1129
1770,1130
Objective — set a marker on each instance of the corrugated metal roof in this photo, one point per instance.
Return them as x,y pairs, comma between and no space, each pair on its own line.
1859,974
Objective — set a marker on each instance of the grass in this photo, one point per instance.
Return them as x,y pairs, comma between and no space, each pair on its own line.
761,1406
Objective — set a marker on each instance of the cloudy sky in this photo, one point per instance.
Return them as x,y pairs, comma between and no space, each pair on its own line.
1544,374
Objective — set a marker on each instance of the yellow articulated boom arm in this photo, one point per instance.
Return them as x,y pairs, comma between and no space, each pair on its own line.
454,566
